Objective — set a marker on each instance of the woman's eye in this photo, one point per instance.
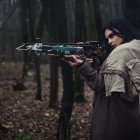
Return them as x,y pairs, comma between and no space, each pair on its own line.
111,35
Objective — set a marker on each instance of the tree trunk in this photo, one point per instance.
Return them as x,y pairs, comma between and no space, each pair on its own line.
68,91
23,12
67,104
97,18
27,25
42,18
38,95
37,58
80,36
54,37
54,83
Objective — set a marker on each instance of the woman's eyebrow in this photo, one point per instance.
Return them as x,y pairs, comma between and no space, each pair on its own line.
108,35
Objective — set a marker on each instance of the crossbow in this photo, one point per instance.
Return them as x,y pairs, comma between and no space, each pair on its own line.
60,49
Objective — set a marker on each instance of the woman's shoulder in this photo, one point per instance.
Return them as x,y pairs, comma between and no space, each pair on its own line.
124,53
133,45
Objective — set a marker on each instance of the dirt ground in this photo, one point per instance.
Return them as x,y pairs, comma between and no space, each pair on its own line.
28,119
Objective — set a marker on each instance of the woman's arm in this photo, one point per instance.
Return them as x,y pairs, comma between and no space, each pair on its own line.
84,68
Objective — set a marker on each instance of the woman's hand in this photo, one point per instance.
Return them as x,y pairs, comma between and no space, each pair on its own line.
72,60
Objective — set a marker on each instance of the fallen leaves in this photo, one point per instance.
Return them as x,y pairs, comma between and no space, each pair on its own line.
28,119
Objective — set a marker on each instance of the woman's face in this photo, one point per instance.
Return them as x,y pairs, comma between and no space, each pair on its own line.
113,39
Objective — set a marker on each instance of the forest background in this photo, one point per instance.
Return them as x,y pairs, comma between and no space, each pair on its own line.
41,97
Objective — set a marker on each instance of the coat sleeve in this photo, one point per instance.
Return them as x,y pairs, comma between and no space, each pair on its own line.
133,67
89,74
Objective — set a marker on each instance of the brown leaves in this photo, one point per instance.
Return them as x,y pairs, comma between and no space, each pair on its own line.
28,119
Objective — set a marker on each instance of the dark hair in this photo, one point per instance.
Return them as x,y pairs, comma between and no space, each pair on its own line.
126,30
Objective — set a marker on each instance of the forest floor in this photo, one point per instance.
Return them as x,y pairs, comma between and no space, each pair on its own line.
28,119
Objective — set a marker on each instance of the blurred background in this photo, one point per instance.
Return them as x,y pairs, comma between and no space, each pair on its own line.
36,90
58,21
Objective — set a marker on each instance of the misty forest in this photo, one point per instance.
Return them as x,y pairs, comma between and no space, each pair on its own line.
41,96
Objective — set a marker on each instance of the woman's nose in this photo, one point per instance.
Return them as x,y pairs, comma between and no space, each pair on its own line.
109,41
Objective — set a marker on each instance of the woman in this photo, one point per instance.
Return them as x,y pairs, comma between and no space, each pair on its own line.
116,113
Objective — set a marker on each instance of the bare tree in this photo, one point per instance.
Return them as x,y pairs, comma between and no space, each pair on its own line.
67,75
